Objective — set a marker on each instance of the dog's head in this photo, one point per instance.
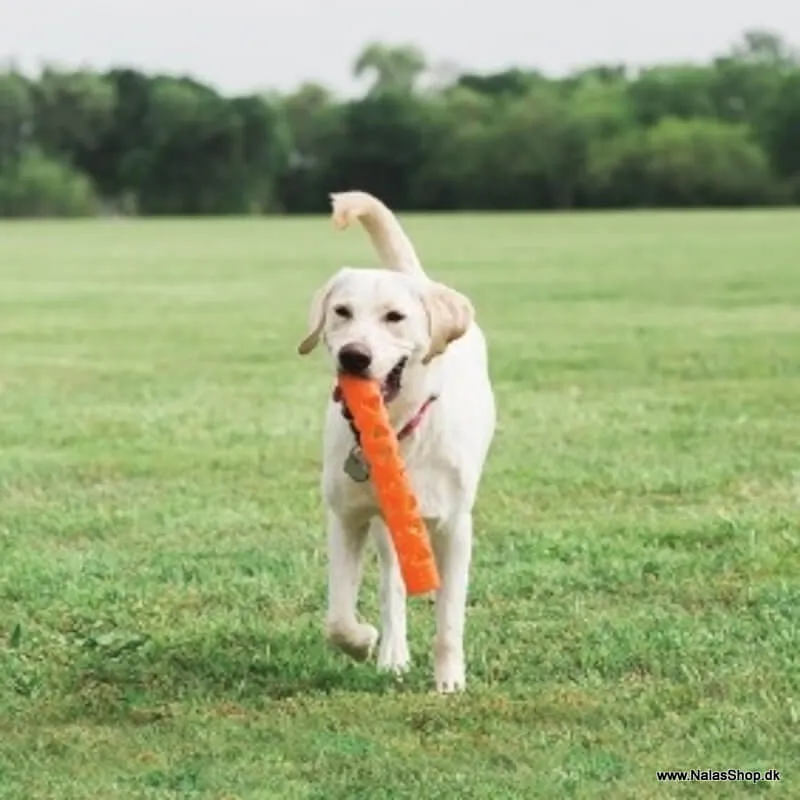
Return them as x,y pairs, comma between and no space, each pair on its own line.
377,324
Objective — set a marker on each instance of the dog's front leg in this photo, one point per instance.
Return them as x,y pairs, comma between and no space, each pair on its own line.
453,547
345,555
393,652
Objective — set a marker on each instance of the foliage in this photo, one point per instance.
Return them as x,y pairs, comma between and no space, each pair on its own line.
723,133
40,186
680,163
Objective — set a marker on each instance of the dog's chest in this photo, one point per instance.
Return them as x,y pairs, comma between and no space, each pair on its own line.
433,477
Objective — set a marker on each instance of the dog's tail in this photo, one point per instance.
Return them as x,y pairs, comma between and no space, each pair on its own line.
390,241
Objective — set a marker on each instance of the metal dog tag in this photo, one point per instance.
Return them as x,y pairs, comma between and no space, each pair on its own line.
355,466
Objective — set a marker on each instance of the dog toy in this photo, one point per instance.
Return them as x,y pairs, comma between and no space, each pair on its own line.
395,497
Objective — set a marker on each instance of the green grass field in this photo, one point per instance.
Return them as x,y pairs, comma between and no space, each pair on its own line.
636,583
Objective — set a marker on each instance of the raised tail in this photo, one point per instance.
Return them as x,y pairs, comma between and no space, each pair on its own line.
391,242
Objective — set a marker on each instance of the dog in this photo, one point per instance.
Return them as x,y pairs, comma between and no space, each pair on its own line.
419,339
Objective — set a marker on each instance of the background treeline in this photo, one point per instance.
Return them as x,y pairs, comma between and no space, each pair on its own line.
725,133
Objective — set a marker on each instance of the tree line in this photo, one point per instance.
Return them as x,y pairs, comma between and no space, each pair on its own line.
725,133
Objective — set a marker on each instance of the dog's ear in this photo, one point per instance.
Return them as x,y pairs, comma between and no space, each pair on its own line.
316,316
450,313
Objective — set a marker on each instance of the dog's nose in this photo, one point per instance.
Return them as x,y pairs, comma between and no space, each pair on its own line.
355,358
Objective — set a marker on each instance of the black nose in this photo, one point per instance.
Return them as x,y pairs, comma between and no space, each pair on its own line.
355,358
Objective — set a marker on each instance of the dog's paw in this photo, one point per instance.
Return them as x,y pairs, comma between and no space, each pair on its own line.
448,671
357,640
393,655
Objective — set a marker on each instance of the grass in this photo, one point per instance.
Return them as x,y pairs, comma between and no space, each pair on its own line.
636,584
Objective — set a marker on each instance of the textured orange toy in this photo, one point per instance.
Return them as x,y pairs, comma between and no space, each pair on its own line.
395,497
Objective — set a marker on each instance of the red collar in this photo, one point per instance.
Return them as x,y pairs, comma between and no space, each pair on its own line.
410,426
416,420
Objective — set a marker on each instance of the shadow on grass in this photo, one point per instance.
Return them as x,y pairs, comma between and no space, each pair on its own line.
242,666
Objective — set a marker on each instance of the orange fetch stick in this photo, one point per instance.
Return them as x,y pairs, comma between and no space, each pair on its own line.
392,487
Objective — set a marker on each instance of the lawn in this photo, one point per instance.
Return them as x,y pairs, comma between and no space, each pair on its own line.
636,583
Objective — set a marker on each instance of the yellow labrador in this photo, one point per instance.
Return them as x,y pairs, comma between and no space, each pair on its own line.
420,340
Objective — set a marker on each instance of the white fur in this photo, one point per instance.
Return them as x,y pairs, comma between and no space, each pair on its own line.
444,456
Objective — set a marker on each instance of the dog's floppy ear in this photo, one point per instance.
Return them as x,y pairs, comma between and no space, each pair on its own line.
450,313
316,315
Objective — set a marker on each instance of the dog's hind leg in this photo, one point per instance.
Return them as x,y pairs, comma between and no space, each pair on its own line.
345,557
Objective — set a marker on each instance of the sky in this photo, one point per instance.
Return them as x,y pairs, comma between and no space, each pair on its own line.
248,45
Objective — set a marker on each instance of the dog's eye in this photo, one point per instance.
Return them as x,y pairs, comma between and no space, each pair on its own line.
394,316
343,311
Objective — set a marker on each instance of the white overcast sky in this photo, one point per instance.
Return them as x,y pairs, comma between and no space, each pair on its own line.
242,45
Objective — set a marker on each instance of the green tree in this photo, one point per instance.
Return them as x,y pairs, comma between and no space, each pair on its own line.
178,147
121,158
206,154
72,113
616,171
315,123
782,132
41,186
705,162
16,117
262,151
538,145
506,84
741,91
451,174
391,68
504,151
682,91
723,132
383,146
761,46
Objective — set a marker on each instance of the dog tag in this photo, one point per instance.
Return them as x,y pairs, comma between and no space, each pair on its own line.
355,466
